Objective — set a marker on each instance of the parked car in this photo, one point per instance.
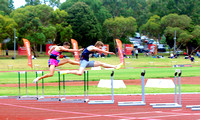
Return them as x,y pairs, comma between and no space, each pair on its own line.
161,48
140,48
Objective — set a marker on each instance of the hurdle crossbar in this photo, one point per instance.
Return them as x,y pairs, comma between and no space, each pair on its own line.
175,104
105,101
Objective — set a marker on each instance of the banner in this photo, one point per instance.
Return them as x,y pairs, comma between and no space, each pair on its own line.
22,50
128,48
120,51
48,47
153,49
28,51
75,46
0,48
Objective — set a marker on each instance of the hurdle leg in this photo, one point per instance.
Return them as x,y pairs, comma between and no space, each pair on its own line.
42,85
19,84
87,86
170,105
105,101
136,103
26,83
180,88
37,85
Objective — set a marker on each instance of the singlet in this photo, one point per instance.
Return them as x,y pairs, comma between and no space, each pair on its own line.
86,53
55,54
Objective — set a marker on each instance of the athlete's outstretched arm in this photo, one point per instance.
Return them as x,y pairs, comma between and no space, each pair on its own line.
103,51
71,50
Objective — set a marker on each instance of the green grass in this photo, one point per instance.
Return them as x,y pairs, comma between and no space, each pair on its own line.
79,90
122,74
41,63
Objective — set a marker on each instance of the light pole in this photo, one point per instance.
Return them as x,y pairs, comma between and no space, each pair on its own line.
14,43
174,42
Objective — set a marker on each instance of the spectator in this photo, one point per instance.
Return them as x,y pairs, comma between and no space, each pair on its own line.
132,53
177,53
171,55
191,58
136,53
6,52
197,54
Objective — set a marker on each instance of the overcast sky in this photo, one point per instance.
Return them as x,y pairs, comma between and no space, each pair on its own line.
19,3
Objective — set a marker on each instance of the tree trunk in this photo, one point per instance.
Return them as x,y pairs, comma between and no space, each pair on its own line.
40,48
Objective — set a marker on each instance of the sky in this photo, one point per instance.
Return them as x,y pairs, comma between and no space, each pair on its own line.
19,3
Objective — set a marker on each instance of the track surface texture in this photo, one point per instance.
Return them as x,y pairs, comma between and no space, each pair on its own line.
12,109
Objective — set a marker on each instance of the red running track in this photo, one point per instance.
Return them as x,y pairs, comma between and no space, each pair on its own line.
11,109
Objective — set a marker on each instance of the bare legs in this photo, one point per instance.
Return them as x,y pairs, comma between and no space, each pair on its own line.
50,74
96,64
64,61
52,68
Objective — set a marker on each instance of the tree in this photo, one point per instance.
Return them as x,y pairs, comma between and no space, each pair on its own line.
152,26
31,21
185,38
174,20
32,2
7,26
84,24
120,27
6,7
63,29
196,37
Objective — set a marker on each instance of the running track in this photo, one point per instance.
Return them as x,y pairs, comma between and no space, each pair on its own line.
11,109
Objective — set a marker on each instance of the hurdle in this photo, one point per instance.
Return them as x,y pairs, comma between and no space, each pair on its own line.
176,104
136,103
43,99
105,101
86,91
27,97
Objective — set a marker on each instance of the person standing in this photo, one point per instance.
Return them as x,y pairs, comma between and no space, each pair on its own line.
132,52
136,53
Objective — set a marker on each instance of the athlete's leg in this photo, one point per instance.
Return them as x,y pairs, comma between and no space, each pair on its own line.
64,61
50,74
97,63
76,72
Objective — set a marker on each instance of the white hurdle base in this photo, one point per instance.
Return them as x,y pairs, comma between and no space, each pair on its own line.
75,100
193,106
49,99
101,102
131,103
166,105
28,98
9,97
195,109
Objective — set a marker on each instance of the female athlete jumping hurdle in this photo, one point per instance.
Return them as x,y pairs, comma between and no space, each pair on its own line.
54,52
84,60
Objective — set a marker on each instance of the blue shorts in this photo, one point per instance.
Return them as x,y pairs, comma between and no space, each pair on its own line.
84,63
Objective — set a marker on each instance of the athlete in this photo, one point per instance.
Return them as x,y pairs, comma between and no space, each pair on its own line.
84,60
55,52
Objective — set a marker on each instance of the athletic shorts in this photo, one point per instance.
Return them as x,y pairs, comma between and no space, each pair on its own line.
84,63
53,62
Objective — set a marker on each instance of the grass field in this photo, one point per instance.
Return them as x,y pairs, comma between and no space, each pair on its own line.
132,71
